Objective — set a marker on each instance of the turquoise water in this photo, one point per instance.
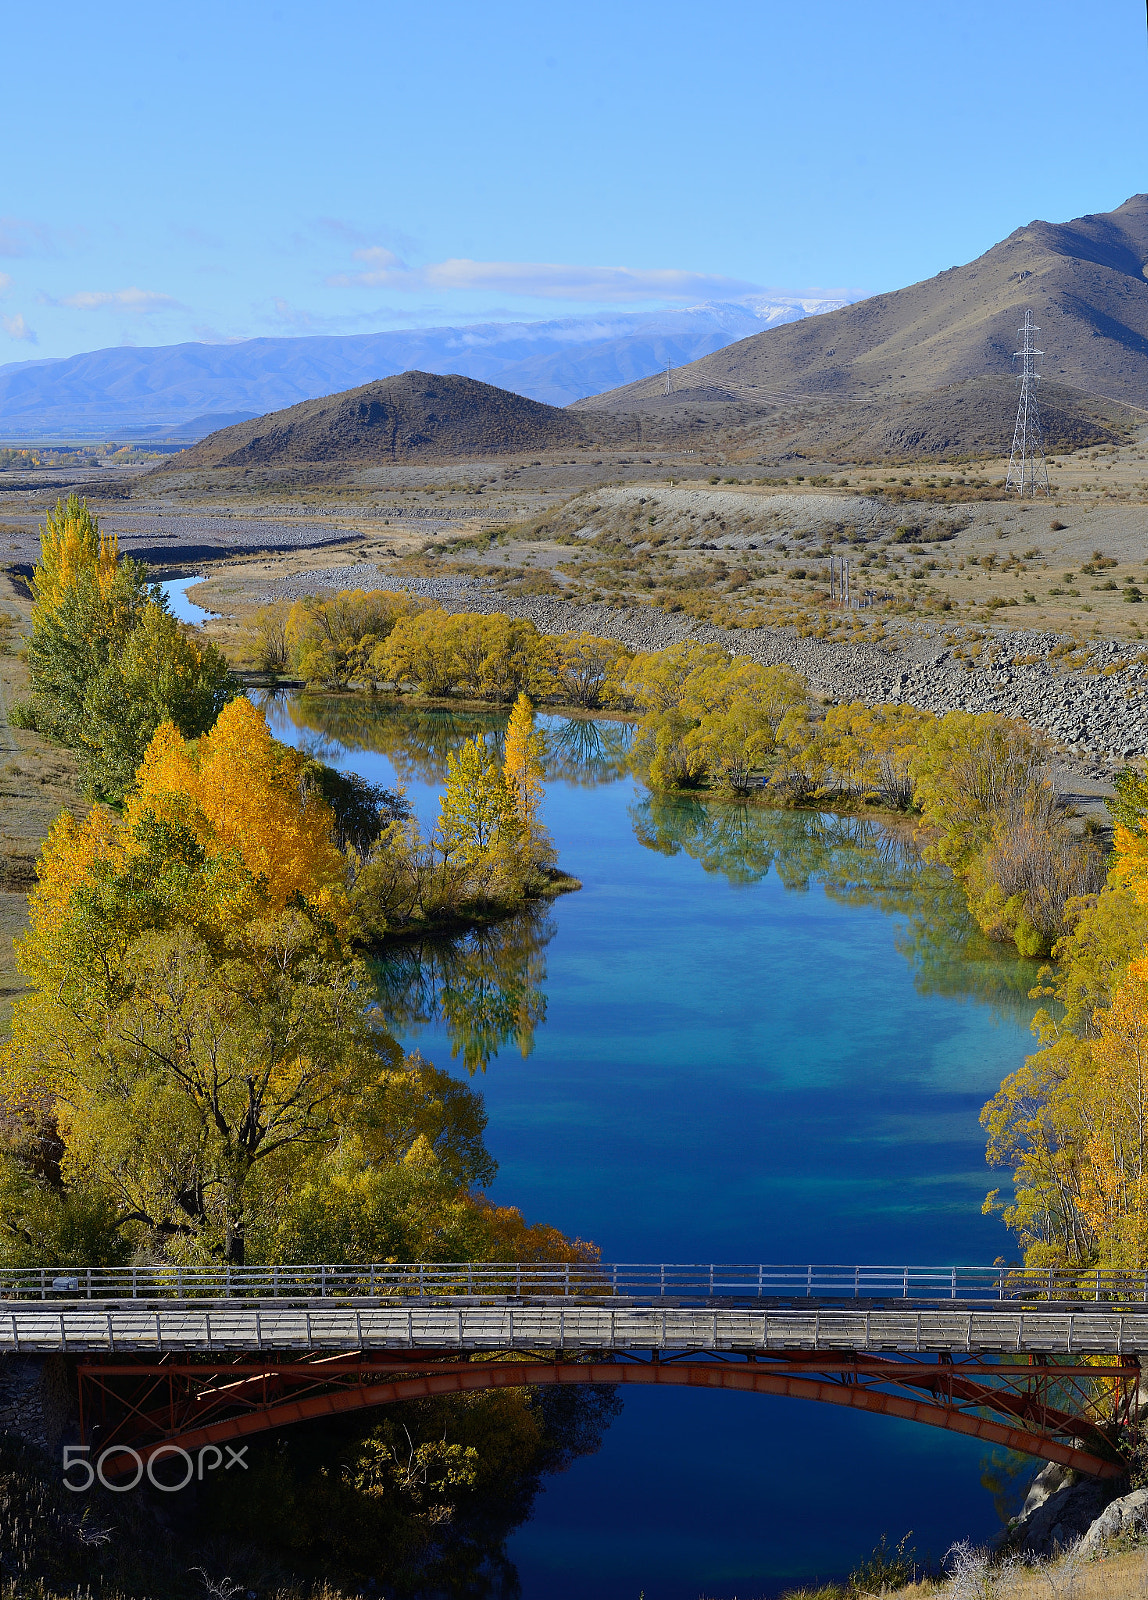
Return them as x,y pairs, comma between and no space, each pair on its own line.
751,1036
186,610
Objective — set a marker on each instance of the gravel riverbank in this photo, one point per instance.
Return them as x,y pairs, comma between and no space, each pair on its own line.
1098,713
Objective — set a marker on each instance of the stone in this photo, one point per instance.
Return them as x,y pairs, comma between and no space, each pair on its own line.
1059,1510
1126,1516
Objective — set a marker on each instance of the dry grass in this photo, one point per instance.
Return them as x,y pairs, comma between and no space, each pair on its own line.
1119,1575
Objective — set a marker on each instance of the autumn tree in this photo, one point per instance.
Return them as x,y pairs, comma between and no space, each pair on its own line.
479,829
420,650
1072,1123
108,663
197,1028
588,670
198,1068
264,637
522,768
983,785
71,545
868,752
338,640
712,719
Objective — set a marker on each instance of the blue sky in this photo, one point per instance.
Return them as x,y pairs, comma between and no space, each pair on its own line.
217,171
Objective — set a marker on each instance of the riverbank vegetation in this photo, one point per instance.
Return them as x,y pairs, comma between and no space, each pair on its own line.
110,668
212,927
1072,1123
199,1071
198,1068
728,726
1120,1573
978,786
108,662
382,637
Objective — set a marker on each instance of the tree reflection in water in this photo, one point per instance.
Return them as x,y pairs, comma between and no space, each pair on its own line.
416,741
584,752
485,986
855,861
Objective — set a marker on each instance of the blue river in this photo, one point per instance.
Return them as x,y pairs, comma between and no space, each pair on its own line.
752,1036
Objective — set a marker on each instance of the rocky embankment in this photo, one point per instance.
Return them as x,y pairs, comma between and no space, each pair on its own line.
1063,1511
1098,710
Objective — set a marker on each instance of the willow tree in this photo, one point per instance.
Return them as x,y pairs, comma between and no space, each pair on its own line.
197,1033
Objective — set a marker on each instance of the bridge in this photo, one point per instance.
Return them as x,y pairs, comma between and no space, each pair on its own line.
1043,1362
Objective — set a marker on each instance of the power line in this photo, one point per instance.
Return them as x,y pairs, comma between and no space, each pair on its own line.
1027,473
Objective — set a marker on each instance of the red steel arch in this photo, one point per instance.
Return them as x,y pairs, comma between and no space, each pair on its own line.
747,1377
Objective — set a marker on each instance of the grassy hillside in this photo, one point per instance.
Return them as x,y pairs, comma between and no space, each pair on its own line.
1085,281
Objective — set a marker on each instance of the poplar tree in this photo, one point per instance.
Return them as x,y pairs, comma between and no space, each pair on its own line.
522,768
479,830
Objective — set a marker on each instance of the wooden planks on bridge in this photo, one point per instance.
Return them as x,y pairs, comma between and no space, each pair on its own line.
273,1325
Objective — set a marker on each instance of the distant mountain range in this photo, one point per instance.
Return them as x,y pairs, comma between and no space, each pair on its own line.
1085,281
188,390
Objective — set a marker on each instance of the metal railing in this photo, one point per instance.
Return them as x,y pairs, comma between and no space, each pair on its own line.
669,1282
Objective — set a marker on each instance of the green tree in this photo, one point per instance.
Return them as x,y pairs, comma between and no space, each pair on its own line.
160,675
75,641
108,663
479,830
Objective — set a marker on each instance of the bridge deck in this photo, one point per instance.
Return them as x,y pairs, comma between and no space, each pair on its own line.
124,1327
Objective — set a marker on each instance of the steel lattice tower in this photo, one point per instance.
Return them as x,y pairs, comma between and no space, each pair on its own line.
1027,473
668,385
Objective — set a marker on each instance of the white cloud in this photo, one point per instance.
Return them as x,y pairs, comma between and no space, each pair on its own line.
378,260
539,279
5,282
16,328
138,300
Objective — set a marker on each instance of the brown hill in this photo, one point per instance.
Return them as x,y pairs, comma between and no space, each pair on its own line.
413,415
959,420
1085,280
975,418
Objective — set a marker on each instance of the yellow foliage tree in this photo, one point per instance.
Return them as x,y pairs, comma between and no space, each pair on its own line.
70,543
588,670
421,650
522,767
869,750
479,831
335,641
197,1034
241,791
1073,1122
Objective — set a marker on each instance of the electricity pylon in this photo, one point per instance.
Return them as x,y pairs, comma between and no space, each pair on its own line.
1027,473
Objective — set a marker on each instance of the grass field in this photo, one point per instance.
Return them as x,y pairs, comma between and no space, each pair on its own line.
1119,1575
